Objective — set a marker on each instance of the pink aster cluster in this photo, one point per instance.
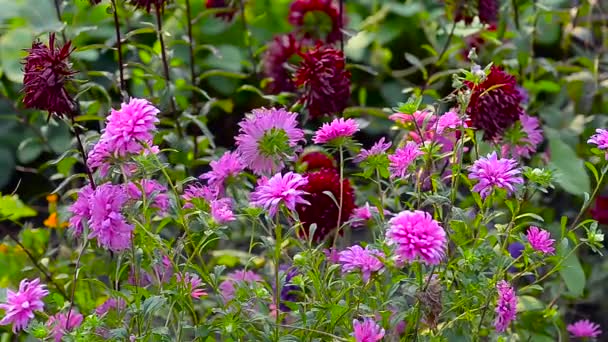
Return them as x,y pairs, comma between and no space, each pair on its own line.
109,305
367,331
492,172
81,210
402,159
506,307
425,127
584,329
379,148
154,193
417,235
366,260
20,306
196,192
530,135
362,214
600,138
128,131
207,198
335,131
237,278
279,189
229,165
62,323
540,240
192,283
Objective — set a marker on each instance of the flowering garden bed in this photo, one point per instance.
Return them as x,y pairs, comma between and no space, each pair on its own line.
303,170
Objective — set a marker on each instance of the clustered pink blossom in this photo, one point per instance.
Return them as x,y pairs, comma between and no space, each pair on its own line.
221,210
378,148
62,323
81,210
362,214
110,304
600,138
192,283
584,328
195,192
540,240
279,189
155,193
107,222
356,258
493,172
528,144
20,306
337,129
403,157
229,165
233,279
506,307
417,235
367,331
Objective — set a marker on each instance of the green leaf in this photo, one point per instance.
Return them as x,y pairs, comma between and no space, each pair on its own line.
571,270
529,303
29,150
12,208
153,304
570,170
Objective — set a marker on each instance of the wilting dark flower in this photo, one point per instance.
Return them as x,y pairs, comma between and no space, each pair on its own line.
486,10
322,209
317,19
230,10
289,291
280,51
47,70
430,298
147,4
325,80
495,103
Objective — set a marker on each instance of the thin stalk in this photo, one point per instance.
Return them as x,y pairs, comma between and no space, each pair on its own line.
340,200
123,86
586,205
75,278
341,16
248,37
191,51
82,152
58,13
277,286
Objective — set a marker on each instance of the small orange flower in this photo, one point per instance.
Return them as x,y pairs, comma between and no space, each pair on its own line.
3,248
52,221
52,198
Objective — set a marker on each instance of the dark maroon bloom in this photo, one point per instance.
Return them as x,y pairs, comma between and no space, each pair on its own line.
317,19
315,160
486,10
230,10
289,291
323,210
46,71
325,80
280,51
495,103
600,211
147,4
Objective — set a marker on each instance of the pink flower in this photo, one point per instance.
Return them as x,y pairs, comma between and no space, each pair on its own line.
540,240
80,210
449,120
269,194
417,236
422,118
403,157
110,304
60,325
367,331
366,260
21,305
584,328
528,139
506,308
221,210
332,254
377,149
192,283
337,129
200,192
267,138
600,138
362,214
493,172
229,165
227,287
107,223
154,191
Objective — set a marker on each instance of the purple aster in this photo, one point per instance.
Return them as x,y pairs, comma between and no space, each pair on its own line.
110,304
60,325
335,131
192,283
506,307
493,172
20,306
221,210
378,148
153,190
540,240
107,223
417,236
403,157
600,138
286,189
198,192
80,210
355,258
362,214
449,120
229,165
584,328
267,138
236,278
528,138
367,331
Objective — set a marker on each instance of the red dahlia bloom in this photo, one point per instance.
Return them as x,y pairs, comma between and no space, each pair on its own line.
280,51
316,160
325,80
495,103
228,15
147,4
317,18
46,70
322,210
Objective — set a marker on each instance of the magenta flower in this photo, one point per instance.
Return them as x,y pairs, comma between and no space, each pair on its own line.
221,210
493,172
332,255
367,331
280,189
403,157
337,129
600,138
198,192
417,236
80,210
59,324
584,328
21,305
192,283
366,260
378,148
540,240
267,138
362,214
227,287
528,139
107,223
110,304
506,307
155,192
449,120
229,165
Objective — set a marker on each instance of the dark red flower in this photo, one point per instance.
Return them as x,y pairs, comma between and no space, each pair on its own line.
600,211
228,15
322,210
495,103
486,10
317,19
315,160
147,4
46,71
325,80
280,51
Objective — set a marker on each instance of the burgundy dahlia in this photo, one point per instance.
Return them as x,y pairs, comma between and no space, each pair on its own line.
147,4
322,210
495,103
486,10
228,15
317,19
316,160
325,80
46,71
280,51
